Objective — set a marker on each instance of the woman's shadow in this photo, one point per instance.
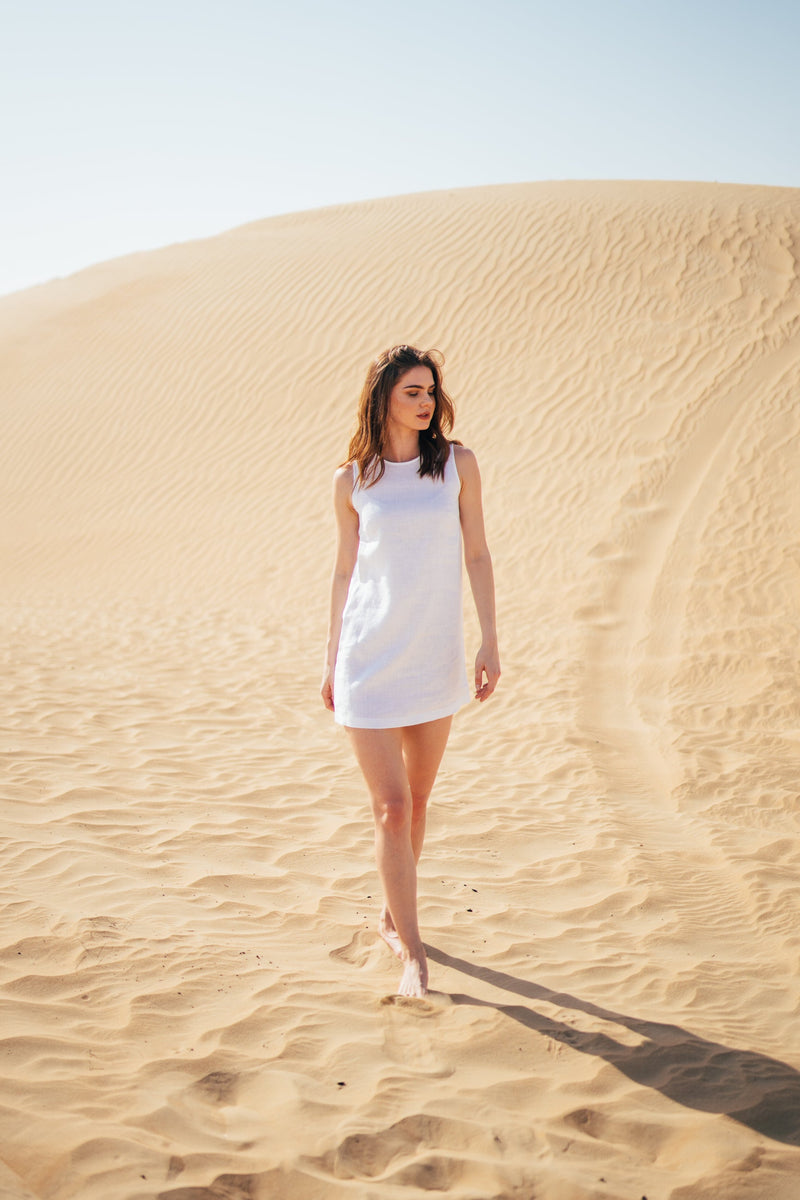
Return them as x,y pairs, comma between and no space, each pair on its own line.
751,1088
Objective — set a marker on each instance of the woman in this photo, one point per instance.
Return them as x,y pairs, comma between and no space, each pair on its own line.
394,671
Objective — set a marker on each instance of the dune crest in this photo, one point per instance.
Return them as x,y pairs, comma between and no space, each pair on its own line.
190,980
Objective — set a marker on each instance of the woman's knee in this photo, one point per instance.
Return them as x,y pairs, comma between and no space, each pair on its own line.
392,811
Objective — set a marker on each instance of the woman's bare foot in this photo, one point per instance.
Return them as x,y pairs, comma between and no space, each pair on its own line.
387,931
414,980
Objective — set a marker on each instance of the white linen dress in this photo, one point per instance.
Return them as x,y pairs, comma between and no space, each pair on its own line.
401,652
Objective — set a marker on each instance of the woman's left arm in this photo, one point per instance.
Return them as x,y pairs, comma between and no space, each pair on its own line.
479,568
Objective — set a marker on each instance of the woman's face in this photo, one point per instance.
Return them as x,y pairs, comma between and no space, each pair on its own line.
411,400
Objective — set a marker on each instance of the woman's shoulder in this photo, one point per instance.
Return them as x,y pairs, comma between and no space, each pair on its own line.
343,480
344,472
464,458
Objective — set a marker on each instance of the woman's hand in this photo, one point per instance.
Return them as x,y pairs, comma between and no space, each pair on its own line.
327,690
487,662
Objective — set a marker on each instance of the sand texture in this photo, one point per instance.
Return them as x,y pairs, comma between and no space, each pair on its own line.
193,1002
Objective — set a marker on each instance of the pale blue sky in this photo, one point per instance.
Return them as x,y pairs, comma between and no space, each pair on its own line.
127,125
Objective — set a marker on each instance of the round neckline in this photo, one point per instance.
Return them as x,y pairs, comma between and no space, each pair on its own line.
403,462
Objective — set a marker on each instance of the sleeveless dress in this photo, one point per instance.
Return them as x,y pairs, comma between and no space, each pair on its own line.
401,651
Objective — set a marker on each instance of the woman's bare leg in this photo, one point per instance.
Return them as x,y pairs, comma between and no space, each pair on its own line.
380,756
399,766
423,748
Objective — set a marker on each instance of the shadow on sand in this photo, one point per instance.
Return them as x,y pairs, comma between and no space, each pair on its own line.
751,1088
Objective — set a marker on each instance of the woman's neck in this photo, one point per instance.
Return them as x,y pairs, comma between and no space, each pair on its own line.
402,445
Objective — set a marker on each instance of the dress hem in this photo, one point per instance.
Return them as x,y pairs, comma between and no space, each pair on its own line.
448,710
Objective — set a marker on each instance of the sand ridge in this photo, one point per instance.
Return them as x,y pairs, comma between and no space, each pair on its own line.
194,1004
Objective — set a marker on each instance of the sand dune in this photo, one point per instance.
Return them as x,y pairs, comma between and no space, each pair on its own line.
194,1004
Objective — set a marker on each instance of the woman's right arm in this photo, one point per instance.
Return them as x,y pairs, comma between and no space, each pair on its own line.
346,552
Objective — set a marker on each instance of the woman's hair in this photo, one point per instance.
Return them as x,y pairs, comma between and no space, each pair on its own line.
368,442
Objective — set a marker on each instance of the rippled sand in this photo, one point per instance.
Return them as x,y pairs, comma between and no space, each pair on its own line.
193,1002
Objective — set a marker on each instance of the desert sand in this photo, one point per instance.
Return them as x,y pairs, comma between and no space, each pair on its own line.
193,1001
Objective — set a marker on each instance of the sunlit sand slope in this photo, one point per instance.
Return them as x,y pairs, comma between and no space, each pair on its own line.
193,1003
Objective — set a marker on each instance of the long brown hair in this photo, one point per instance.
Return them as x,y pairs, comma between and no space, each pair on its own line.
368,442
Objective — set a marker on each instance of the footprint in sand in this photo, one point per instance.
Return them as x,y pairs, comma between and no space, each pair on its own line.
358,950
405,1041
